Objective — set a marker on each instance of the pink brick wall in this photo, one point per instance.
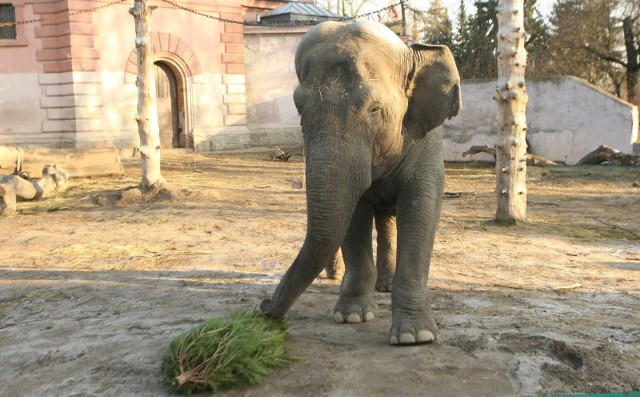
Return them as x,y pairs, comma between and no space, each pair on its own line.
82,66
67,40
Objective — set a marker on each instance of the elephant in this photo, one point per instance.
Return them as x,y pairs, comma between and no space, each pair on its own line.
385,221
371,108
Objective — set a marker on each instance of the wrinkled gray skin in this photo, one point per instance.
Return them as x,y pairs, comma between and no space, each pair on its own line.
370,107
385,220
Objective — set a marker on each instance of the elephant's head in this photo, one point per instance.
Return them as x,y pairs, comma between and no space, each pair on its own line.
364,98
359,80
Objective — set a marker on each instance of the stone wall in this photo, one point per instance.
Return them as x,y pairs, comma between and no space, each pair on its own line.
566,116
272,118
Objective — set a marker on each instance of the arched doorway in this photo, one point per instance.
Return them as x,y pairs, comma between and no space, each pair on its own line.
170,88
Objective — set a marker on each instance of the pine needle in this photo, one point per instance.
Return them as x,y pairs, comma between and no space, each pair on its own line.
222,353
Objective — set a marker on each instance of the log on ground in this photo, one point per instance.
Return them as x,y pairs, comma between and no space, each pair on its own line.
606,153
13,187
532,159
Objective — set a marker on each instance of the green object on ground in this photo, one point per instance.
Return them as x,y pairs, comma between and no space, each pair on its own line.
222,353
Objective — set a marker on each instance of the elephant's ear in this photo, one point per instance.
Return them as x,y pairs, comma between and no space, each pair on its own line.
433,88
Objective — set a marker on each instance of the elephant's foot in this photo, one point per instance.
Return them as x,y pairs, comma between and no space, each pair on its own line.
354,310
384,282
413,328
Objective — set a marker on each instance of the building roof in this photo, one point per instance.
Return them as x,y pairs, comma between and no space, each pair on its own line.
311,11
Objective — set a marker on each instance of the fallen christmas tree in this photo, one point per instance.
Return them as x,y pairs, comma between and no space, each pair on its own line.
223,353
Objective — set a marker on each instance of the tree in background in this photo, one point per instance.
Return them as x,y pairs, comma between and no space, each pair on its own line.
537,41
349,8
437,27
578,25
477,53
631,36
598,40
461,36
475,40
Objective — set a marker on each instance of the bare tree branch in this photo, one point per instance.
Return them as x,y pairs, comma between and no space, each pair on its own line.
603,56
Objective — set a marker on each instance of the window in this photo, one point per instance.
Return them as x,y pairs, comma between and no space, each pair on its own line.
8,14
12,35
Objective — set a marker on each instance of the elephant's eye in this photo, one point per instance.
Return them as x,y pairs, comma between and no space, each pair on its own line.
376,109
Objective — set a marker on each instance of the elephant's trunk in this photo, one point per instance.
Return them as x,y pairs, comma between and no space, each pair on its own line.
335,182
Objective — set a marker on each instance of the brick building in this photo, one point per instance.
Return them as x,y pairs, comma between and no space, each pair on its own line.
68,80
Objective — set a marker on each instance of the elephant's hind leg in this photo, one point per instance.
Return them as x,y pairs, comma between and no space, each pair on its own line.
386,258
335,269
356,303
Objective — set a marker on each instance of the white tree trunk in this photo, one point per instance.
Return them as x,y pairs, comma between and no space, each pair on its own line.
147,117
511,95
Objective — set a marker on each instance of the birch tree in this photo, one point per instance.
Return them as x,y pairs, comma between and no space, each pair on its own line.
511,95
147,117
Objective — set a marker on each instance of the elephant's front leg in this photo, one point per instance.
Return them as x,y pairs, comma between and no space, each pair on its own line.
418,214
356,303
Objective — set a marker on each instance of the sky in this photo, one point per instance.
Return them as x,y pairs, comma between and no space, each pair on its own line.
544,6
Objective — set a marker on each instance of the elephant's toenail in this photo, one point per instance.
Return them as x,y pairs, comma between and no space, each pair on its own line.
338,317
368,316
354,318
425,336
407,339
393,340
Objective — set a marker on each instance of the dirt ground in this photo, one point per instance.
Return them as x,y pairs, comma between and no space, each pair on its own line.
92,289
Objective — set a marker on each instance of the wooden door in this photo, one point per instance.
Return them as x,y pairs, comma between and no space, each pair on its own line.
166,89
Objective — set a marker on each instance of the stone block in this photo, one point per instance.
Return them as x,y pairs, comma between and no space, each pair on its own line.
69,65
64,17
236,89
234,119
59,90
165,39
234,48
58,125
61,114
57,102
234,99
231,38
232,58
233,27
234,68
233,79
237,109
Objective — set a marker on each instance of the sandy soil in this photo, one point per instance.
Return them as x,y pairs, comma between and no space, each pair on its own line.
93,290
